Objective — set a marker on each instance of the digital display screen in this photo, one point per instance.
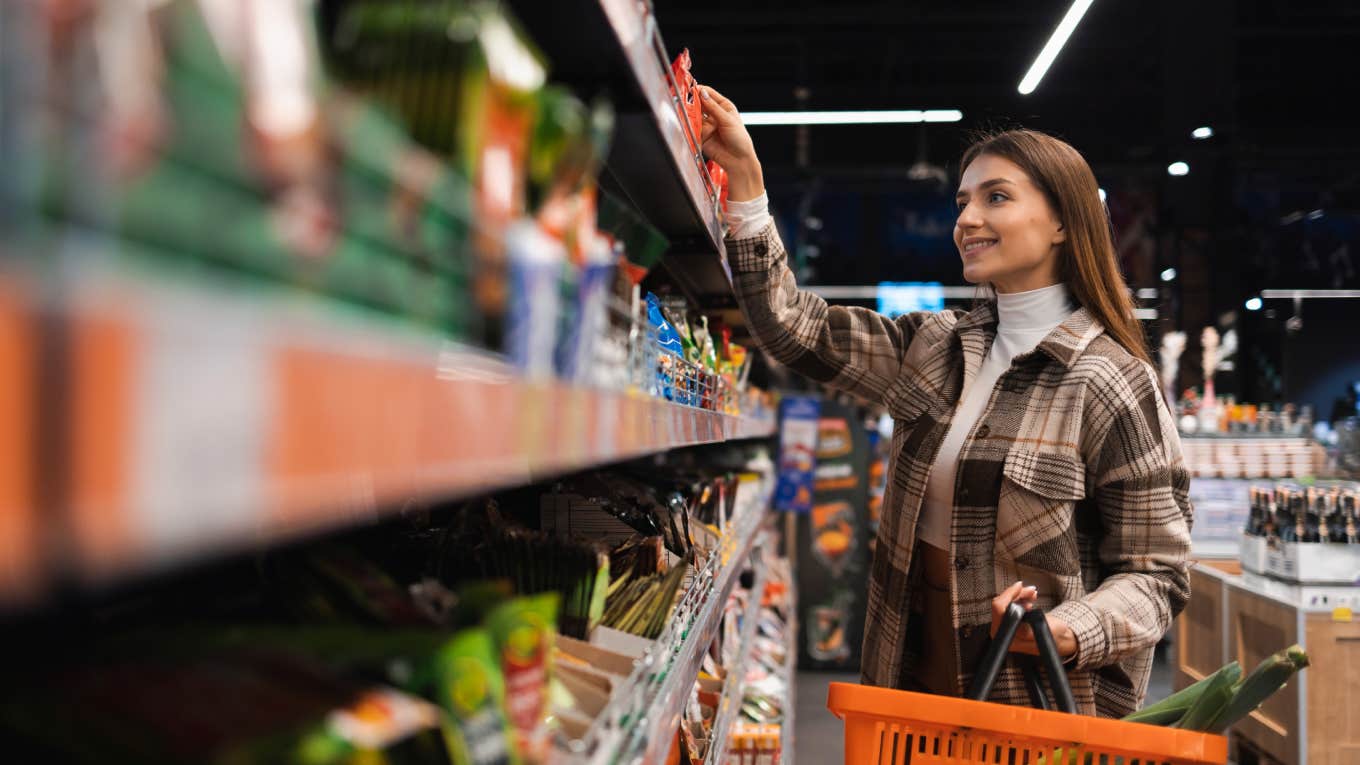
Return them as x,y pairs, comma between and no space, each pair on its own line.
897,298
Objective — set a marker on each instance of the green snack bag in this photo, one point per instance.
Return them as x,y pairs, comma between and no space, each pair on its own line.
471,690
524,629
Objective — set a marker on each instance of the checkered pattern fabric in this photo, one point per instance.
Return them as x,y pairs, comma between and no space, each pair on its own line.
1072,479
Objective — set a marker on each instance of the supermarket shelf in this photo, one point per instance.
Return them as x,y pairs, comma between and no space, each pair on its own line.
1215,548
616,43
734,686
199,421
640,721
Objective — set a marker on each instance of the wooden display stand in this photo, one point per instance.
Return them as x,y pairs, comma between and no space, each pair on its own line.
1316,718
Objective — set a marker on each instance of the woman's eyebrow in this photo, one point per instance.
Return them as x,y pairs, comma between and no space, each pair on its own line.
985,185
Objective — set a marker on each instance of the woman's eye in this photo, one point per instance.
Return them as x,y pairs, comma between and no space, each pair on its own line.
996,196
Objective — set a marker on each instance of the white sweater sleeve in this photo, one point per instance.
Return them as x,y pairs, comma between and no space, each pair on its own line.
747,219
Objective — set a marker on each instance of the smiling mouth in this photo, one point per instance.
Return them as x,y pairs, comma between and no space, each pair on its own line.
973,247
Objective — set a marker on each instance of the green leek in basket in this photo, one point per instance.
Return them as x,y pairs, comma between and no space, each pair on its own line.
1218,701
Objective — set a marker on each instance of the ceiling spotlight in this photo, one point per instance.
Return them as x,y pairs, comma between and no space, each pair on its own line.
1102,194
1253,304
1200,133
1178,168
1168,274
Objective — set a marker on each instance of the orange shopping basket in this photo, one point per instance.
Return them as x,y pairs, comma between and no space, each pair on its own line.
888,727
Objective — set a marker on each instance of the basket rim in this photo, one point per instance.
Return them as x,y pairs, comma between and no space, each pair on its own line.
888,705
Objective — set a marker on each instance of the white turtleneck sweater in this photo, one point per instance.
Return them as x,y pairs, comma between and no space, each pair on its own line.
1024,319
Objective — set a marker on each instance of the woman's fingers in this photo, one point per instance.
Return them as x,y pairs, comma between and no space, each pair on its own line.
1016,593
708,129
1000,602
725,103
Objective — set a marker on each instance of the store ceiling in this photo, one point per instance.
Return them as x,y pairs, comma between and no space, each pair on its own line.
1272,76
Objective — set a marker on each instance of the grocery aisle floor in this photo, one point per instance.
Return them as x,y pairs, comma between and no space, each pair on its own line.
819,738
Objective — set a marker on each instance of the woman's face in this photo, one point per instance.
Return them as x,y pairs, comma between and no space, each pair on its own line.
1007,233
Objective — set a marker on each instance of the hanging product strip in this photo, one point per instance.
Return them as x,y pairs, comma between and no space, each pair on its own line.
735,684
742,719
788,728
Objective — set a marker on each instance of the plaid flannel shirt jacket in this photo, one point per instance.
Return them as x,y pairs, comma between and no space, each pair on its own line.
1072,479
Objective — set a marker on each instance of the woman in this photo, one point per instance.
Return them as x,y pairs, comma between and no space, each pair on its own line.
1033,456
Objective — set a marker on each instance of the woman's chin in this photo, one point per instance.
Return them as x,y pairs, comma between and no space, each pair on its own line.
974,275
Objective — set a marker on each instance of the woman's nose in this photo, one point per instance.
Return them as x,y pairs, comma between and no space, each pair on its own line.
968,217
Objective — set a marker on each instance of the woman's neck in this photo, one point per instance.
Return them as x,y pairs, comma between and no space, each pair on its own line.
1044,308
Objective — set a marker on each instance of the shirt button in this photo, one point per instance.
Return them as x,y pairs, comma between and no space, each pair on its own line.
963,493
983,432
961,563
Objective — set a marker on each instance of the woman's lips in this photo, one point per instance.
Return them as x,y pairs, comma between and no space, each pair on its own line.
974,249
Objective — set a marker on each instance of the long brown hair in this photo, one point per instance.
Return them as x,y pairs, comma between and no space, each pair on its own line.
1086,260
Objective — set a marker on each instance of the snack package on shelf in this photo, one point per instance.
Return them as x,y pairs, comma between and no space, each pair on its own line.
669,354
689,107
537,267
217,139
755,745
718,175
470,96
523,630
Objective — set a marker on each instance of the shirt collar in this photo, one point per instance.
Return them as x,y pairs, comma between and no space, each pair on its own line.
1064,344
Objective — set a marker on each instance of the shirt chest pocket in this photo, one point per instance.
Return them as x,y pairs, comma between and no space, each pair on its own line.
1036,507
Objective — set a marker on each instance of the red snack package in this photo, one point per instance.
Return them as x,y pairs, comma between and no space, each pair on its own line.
719,177
690,109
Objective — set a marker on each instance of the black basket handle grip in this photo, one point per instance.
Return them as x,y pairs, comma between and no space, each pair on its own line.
995,658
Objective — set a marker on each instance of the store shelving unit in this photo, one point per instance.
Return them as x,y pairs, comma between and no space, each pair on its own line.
734,686
199,420
161,414
614,46
643,714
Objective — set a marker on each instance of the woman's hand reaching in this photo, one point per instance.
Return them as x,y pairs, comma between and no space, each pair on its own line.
726,142
1024,639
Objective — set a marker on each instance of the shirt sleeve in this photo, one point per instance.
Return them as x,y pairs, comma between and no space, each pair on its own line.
853,349
1142,492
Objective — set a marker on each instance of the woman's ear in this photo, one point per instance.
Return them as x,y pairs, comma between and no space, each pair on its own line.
1060,235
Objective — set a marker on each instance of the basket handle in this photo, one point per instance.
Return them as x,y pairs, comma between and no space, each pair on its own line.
992,661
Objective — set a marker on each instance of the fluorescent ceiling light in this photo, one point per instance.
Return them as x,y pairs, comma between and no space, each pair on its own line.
1253,304
885,117
1200,133
1169,275
1303,294
1178,168
1039,68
